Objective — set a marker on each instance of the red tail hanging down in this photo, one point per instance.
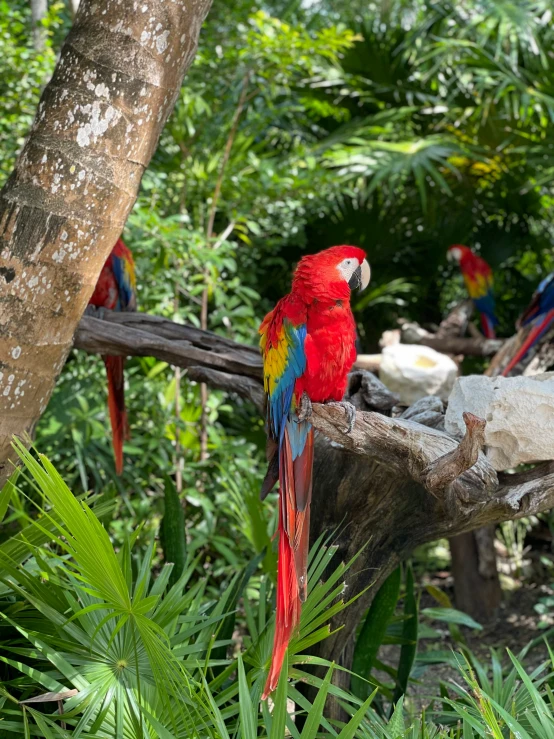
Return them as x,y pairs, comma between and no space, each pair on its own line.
529,342
295,492
487,326
116,406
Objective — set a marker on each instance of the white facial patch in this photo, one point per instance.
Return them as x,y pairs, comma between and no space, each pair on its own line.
347,268
454,254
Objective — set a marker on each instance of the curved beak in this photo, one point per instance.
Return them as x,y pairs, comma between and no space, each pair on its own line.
360,278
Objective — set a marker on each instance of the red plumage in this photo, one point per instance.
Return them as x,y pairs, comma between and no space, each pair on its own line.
308,345
116,290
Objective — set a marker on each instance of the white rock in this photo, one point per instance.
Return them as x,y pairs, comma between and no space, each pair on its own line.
415,371
519,412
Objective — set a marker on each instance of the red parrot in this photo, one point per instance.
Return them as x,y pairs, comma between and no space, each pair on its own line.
308,347
539,312
478,278
116,290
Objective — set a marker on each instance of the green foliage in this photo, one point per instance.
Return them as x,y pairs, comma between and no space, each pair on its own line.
373,630
132,655
402,127
172,531
394,618
23,74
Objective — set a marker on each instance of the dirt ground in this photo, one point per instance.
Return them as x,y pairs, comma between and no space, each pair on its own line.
516,624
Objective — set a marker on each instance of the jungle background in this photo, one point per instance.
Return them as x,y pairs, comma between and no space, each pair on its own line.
402,127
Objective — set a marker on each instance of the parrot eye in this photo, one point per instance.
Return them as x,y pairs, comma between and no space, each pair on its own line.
347,268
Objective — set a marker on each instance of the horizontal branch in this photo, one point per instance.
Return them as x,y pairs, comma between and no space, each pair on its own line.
139,334
413,450
244,386
458,473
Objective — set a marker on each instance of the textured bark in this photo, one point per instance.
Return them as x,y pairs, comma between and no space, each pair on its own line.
75,182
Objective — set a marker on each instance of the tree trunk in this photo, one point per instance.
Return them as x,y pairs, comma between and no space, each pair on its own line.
76,180
39,9
476,585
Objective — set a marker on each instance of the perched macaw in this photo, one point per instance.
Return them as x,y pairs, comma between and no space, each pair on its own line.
308,347
479,283
116,290
539,312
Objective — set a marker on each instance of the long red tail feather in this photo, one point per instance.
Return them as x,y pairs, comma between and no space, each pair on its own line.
488,327
116,407
529,342
295,491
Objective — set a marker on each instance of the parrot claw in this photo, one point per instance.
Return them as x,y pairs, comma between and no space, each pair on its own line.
304,409
350,411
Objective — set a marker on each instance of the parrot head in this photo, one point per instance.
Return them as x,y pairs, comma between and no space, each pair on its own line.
332,274
456,252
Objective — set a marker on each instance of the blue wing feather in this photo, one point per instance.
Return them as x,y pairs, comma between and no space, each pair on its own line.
122,273
293,356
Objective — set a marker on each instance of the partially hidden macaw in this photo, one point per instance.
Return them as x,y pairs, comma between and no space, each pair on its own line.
116,290
478,278
540,313
308,347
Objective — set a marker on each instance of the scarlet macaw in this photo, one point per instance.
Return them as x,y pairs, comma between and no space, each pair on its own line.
478,278
308,347
539,312
116,290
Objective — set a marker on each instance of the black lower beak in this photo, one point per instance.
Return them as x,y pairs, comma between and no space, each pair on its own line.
355,281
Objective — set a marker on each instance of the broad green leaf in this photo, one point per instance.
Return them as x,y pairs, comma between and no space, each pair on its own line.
373,632
451,616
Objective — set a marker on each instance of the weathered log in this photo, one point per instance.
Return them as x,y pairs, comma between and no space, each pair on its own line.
140,335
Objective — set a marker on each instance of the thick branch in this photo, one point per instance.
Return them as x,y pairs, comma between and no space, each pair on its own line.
429,457
138,334
246,387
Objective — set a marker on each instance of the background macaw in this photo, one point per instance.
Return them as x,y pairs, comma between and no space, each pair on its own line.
478,278
308,347
116,290
540,313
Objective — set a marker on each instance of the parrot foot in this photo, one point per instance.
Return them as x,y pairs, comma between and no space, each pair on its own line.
304,409
350,411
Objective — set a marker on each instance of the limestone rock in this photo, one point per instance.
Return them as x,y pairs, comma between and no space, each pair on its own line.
414,371
519,412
